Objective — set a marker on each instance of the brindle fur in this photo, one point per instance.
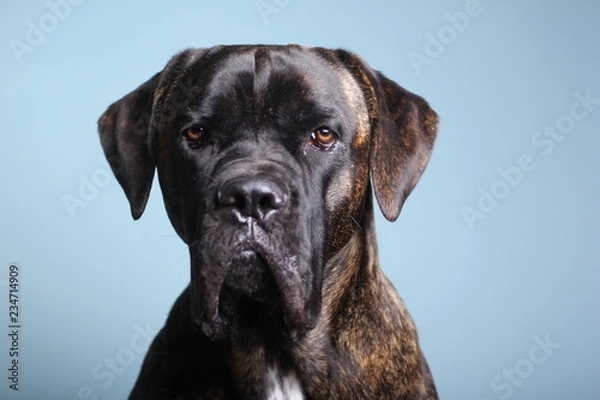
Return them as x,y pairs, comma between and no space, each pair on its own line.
359,341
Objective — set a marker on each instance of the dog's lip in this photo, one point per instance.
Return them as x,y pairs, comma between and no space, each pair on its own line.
250,275
283,268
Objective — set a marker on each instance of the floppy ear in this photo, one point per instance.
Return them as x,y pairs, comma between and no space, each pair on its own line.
404,128
124,133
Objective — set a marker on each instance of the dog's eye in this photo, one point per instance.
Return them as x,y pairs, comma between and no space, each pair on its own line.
323,138
194,134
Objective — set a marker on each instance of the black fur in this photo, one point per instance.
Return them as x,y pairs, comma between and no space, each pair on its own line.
278,220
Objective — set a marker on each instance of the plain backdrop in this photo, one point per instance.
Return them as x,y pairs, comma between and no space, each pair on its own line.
495,253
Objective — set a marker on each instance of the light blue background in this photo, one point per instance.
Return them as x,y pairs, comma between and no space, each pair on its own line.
481,297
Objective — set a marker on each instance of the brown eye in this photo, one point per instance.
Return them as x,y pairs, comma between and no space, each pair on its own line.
323,138
194,134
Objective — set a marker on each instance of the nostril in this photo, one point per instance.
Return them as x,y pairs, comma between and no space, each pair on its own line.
237,201
232,198
240,202
268,201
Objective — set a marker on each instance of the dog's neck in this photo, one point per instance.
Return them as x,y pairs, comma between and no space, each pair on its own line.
358,257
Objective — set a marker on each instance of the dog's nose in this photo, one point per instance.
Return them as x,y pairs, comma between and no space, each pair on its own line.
255,198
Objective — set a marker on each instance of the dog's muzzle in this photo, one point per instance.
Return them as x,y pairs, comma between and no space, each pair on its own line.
250,203
251,249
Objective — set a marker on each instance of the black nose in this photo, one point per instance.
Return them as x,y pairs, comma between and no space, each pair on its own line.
252,197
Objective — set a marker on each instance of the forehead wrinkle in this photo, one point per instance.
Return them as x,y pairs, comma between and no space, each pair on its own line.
331,87
262,72
227,82
249,69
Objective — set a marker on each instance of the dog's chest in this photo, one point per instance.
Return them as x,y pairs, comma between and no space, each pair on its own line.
282,386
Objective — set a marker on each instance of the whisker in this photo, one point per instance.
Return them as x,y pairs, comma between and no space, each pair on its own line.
357,224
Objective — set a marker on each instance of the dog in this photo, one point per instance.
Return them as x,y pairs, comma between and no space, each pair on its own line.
268,158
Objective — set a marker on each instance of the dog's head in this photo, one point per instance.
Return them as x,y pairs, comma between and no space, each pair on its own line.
265,156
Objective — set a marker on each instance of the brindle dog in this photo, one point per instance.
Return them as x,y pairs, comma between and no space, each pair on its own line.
267,157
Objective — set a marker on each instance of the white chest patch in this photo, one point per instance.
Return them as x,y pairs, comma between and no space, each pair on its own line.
283,387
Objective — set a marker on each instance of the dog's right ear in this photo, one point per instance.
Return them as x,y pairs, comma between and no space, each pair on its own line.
124,133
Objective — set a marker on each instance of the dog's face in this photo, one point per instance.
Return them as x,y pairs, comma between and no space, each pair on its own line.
263,155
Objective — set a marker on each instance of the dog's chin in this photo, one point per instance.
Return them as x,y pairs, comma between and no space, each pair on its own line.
249,277
249,289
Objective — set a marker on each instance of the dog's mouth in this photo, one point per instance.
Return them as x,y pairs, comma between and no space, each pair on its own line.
251,270
250,276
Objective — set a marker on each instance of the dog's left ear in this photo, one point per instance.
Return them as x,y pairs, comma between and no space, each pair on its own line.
403,129
402,140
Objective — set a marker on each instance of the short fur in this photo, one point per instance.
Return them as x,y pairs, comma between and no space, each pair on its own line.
284,269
